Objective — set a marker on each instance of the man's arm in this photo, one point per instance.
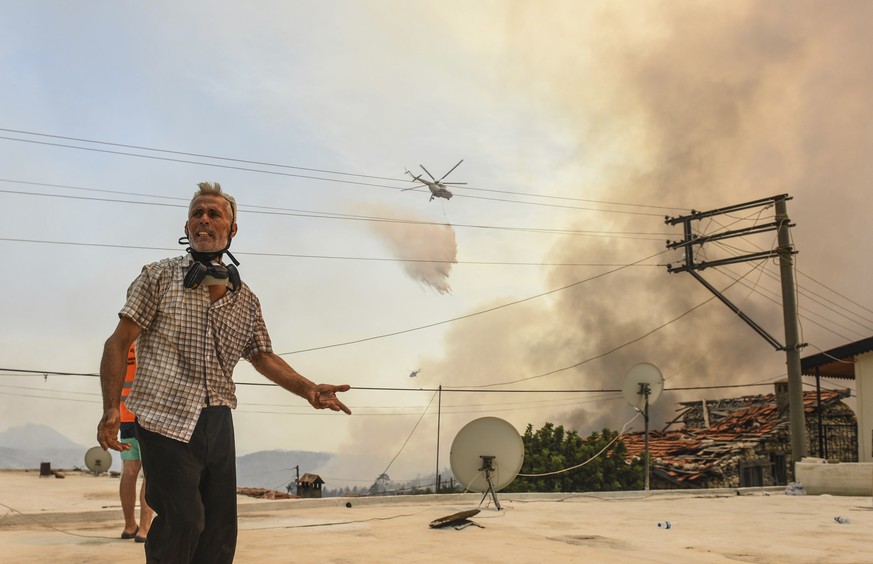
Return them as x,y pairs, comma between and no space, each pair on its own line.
113,366
321,396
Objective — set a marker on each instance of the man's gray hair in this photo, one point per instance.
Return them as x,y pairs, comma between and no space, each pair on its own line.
214,189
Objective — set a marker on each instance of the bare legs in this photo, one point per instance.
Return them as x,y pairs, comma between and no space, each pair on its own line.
127,493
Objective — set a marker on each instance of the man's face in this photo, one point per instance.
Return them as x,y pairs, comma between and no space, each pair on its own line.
209,224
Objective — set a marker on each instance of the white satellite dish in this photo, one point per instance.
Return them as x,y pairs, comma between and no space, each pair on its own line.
486,456
98,460
643,384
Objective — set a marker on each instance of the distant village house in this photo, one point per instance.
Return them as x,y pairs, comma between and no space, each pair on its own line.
309,486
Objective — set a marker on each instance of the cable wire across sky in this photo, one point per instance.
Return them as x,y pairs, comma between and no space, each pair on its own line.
291,167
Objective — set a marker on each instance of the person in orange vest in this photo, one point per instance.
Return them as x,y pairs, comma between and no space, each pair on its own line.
131,461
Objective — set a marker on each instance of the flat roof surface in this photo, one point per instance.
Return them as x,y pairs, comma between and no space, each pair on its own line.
78,519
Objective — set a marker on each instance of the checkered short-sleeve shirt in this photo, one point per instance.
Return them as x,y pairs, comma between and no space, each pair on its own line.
188,346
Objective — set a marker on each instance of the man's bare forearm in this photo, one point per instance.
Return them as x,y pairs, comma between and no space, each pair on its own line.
112,368
276,369
113,364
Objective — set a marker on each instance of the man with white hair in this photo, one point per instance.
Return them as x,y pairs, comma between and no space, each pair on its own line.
193,319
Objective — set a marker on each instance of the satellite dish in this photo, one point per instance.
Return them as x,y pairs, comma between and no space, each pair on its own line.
486,456
98,460
639,379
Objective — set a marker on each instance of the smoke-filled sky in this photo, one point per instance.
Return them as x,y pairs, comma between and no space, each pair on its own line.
581,126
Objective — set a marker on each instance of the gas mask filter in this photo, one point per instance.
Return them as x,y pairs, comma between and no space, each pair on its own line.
212,274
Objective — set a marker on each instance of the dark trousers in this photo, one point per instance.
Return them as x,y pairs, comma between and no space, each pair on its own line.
192,488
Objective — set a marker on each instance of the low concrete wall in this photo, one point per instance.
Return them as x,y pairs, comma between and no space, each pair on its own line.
841,478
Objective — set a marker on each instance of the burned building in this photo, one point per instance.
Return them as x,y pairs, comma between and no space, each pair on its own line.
745,441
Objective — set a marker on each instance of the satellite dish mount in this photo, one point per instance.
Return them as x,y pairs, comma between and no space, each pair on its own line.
642,386
488,468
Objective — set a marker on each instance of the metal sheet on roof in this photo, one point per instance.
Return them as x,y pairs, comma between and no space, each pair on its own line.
838,362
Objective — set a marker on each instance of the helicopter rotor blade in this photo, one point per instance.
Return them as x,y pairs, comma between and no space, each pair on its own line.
450,171
428,172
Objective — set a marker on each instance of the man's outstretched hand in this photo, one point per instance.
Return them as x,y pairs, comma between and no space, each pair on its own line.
324,397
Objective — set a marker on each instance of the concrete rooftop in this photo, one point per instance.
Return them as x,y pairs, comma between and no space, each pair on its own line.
78,519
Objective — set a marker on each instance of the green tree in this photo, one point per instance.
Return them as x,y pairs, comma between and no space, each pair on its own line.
552,449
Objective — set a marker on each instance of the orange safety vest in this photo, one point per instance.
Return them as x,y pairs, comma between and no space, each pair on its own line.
126,415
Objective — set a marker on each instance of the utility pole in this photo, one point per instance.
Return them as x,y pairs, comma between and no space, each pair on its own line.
785,252
297,481
436,488
646,391
792,337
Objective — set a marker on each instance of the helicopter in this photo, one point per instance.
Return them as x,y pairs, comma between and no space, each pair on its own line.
438,188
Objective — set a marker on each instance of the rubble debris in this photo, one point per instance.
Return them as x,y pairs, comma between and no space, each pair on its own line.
264,493
740,442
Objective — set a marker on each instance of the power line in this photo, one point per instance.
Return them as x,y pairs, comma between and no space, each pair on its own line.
619,347
473,389
46,373
520,402
326,257
96,394
813,296
318,178
385,471
389,411
285,166
609,352
719,387
18,395
314,214
474,314
851,301
801,289
779,303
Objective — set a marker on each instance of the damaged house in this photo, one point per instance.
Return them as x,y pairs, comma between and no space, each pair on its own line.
745,441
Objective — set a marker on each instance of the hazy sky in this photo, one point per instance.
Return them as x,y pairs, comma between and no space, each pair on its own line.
581,126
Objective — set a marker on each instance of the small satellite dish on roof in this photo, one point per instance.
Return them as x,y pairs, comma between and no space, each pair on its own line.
98,460
486,456
643,384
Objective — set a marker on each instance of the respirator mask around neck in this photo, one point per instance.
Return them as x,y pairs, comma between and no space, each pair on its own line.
206,272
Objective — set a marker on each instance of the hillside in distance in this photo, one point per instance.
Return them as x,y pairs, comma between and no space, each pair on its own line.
26,447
